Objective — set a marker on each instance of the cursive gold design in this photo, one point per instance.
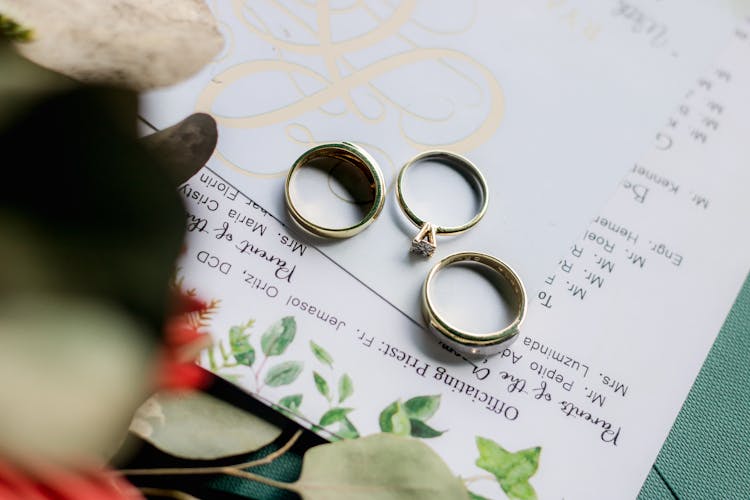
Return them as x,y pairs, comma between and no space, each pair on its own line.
328,63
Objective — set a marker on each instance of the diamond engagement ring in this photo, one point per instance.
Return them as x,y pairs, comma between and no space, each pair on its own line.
513,292
350,155
425,243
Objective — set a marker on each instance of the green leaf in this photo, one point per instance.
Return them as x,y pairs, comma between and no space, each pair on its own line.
422,407
347,430
393,419
322,385
346,387
197,426
321,354
292,402
474,496
11,30
421,430
239,342
334,415
277,338
512,470
283,373
381,466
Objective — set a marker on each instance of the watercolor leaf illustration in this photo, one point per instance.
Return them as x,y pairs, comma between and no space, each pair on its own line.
322,385
292,402
346,387
322,355
408,419
278,336
284,373
334,415
239,343
512,470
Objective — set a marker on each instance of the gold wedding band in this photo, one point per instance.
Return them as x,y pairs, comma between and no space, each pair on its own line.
476,343
424,243
350,154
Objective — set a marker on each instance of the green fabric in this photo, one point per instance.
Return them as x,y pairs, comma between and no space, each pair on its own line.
707,453
286,468
655,488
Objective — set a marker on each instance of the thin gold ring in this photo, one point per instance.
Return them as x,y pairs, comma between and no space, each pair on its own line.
425,243
351,154
468,342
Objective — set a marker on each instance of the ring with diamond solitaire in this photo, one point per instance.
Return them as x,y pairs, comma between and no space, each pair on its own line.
477,344
354,156
424,243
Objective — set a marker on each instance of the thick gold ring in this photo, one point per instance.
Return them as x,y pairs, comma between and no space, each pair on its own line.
476,343
424,243
352,155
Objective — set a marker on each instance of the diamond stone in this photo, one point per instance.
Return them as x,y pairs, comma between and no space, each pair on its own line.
424,243
422,247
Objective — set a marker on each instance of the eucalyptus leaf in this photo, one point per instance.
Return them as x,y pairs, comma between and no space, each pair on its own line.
393,419
321,354
346,387
334,415
284,373
422,407
292,402
242,351
421,430
512,470
277,338
322,385
377,467
197,426
475,496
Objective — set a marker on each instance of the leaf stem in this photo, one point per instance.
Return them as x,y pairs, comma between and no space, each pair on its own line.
260,479
474,479
222,469
159,492
271,456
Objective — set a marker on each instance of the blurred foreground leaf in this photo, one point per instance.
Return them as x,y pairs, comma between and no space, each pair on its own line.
137,44
186,146
378,467
73,371
200,427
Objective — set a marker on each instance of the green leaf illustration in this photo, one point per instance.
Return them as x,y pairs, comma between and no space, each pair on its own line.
322,385
421,430
242,351
291,402
422,407
512,470
347,430
379,466
393,419
321,354
277,338
283,373
346,387
334,415
197,426
474,496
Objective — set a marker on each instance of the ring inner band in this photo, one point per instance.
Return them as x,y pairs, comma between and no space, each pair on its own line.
349,156
463,166
511,288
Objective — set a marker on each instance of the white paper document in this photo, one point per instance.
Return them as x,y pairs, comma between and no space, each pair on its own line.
554,101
